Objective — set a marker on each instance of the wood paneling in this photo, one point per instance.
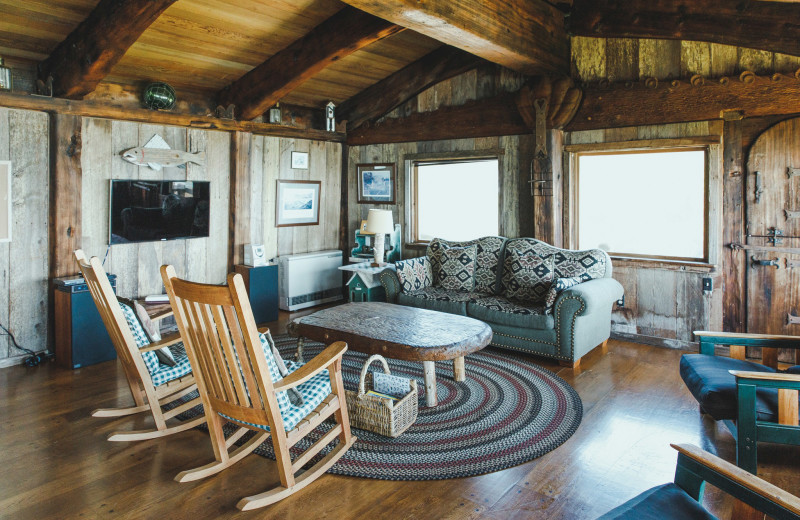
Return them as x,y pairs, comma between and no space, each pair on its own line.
24,261
136,265
65,195
761,25
270,160
664,303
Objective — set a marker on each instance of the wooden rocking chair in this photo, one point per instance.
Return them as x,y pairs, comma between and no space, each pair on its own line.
152,384
239,381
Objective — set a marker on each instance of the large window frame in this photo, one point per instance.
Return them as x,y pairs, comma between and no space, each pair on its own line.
711,147
413,163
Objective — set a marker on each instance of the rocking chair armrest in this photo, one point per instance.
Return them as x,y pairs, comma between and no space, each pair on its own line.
756,340
166,341
320,362
740,477
766,376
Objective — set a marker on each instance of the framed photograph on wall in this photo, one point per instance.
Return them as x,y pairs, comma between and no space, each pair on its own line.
5,201
299,160
376,183
297,203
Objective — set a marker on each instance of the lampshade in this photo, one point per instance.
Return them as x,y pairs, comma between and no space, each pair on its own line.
379,221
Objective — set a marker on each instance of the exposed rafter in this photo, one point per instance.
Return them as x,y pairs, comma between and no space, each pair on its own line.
524,35
506,114
769,26
678,101
344,33
87,55
382,97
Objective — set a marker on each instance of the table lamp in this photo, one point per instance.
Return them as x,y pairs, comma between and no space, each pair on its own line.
379,222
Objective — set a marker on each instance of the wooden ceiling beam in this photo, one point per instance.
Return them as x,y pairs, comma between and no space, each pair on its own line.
769,26
651,103
524,35
89,52
340,35
394,90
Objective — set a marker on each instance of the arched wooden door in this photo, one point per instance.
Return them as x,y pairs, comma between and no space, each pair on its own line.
773,231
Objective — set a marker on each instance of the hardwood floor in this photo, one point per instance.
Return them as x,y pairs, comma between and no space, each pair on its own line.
57,463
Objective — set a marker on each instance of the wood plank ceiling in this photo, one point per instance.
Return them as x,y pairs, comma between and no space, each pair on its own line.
205,45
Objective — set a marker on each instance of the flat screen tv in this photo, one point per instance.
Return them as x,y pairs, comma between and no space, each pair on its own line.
144,211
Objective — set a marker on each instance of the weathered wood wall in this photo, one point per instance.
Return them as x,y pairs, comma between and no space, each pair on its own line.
664,301
24,260
660,301
270,160
137,265
517,206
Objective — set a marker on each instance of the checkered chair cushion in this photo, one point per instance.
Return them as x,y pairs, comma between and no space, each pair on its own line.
456,268
314,391
158,372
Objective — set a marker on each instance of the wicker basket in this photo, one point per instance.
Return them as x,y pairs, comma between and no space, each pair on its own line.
380,415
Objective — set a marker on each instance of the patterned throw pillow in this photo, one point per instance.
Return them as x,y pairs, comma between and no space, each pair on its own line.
527,276
487,260
558,286
414,274
456,268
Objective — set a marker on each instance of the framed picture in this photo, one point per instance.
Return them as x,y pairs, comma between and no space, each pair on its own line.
297,203
376,183
299,160
5,201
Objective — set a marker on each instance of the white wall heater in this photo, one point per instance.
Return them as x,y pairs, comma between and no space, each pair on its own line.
309,279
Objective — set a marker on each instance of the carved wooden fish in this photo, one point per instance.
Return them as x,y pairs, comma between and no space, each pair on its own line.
157,155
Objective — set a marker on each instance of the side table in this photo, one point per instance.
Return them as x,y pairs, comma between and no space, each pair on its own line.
364,285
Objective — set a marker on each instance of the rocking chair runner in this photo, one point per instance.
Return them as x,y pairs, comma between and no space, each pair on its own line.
152,384
239,381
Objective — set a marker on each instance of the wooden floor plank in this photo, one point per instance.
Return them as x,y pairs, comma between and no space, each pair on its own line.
57,463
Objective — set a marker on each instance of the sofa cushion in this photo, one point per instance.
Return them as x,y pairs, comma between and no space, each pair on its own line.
487,260
709,381
527,276
456,268
588,264
558,286
497,309
414,274
439,299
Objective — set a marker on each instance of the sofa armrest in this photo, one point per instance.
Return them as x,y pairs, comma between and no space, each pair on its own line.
414,274
591,296
391,284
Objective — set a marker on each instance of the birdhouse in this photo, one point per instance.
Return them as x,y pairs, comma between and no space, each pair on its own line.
329,117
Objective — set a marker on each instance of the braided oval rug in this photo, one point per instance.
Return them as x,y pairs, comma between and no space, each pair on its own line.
507,412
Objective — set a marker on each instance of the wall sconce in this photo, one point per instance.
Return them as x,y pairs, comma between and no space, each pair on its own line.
5,76
275,114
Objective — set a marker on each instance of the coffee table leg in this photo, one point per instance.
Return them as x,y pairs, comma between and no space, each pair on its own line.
458,369
298,356
430,383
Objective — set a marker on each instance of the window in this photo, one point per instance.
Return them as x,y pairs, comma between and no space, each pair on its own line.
455,200
643,203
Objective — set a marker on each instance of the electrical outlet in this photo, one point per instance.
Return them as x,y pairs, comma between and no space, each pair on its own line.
708,285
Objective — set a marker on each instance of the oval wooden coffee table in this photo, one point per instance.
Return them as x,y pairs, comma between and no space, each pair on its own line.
397,332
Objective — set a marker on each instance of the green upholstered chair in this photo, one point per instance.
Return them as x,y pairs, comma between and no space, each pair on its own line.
757,402
681,499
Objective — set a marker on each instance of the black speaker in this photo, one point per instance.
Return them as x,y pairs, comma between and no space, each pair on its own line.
262,287
81,338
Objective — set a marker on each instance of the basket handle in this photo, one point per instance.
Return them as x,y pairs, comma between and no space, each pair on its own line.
372,358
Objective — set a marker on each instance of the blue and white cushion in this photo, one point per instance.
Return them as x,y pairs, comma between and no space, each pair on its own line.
158,372
314,391
558,286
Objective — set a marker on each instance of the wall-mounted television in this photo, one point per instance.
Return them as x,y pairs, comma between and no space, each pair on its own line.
144,211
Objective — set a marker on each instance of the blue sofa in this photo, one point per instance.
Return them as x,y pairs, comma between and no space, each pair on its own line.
537,298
